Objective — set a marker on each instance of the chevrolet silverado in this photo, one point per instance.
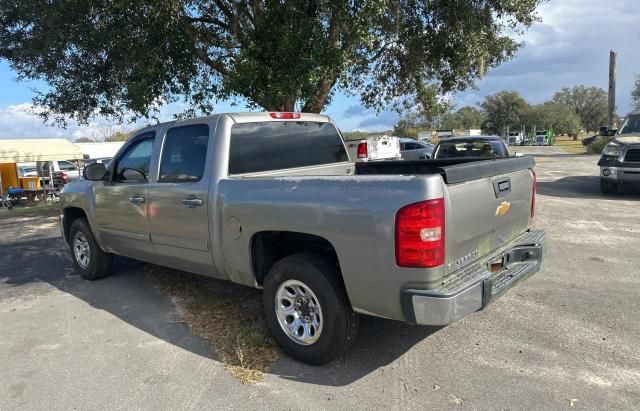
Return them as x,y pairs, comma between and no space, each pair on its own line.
271,200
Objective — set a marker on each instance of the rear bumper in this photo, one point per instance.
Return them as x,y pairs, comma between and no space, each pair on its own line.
473,288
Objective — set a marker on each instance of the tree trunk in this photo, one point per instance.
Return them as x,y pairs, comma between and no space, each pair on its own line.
287,105
320,98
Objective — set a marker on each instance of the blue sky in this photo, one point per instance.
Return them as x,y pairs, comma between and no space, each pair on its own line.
570,46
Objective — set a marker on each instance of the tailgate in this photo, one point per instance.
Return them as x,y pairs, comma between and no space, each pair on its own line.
384,147
485,212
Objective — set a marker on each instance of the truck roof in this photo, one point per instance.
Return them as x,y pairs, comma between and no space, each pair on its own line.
267,116
247,117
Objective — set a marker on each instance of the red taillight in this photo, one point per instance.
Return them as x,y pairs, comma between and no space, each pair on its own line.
533,197
362,150
420,234
64,176
284,115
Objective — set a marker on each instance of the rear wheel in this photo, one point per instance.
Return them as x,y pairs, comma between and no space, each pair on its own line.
608,187
88,258
307,308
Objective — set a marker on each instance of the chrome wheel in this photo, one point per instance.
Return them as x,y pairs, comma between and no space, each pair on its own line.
299,312
81,250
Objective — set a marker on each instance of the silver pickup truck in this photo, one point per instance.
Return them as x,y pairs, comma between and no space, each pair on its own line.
270,200
620,160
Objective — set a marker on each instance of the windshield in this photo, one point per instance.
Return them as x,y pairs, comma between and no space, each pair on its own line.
473,148
631,125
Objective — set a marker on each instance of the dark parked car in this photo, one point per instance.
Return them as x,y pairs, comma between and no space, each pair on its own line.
476,146
603,133
412,149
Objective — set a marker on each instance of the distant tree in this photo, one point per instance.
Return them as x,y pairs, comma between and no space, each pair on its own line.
635,94
355,135
464,119
505,110
590,103
560,117
84,140
409,125
122,58
118,136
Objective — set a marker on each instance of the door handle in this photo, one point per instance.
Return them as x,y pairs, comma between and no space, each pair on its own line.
192,202
137,200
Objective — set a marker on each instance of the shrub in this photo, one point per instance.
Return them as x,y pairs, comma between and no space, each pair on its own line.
598,145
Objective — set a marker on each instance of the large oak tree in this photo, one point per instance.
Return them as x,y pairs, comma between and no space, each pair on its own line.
125,57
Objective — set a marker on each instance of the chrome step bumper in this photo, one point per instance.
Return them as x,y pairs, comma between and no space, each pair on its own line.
473,288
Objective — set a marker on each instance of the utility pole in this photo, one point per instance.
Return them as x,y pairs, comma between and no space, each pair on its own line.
612,87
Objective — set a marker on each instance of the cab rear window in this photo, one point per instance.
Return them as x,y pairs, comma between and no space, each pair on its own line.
277,145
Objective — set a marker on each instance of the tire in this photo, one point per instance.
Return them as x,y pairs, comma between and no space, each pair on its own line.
607,187
95,263
324,340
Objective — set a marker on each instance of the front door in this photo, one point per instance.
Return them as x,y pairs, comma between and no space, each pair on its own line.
122,201
179,201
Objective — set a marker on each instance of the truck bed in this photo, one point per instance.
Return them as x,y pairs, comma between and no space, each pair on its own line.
453,171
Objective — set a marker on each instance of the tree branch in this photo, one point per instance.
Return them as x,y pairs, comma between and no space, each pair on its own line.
224,9
216,65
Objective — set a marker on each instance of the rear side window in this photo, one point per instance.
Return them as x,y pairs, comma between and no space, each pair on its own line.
266,146
184,154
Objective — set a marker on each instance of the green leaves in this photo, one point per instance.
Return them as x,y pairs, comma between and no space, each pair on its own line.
504,111
589,103
125,58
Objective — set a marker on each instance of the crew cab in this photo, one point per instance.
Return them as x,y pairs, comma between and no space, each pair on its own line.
620,160
271,200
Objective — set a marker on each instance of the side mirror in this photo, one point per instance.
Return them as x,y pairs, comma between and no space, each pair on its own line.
94,172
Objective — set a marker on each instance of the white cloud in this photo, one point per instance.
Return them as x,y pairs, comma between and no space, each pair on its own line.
571,47
19,121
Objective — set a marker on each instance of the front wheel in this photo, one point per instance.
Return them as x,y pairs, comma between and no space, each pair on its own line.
608,187
88,258
307,309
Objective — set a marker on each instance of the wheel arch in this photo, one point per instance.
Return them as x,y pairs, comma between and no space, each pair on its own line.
268,247
69,215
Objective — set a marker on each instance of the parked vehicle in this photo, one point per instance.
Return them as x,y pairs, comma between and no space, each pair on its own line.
411,149
471,147
544,137
620,160
425,242
590,140
373,148
27,171
515,138
63,172
603,133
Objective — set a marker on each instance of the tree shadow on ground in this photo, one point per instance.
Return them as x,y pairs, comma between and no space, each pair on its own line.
133,295
587,187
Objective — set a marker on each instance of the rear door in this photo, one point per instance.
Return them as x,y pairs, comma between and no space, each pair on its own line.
485,213
179,200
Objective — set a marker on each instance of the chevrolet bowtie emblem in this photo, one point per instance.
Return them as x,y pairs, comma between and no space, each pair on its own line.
503,208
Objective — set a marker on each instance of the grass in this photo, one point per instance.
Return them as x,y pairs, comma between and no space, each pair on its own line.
570,145
45,210
229,317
